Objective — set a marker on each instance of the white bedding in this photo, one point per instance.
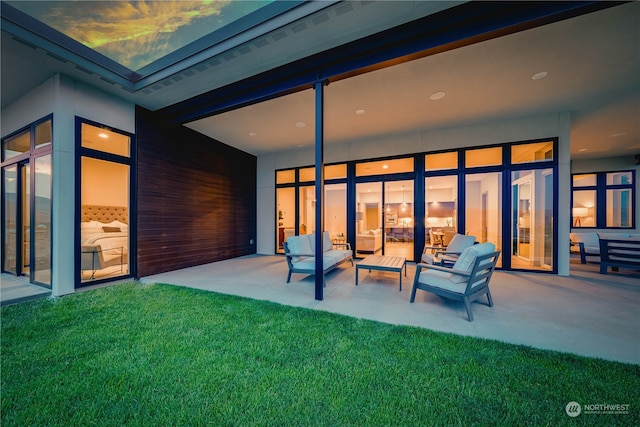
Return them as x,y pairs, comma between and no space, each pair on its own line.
93,233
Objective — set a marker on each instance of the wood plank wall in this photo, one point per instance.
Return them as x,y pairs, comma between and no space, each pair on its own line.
196,197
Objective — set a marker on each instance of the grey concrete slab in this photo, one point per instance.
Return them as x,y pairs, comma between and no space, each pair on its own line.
587,313
14,290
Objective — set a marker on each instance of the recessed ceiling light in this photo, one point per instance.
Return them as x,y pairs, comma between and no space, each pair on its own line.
103,135
360,112
539,76
385,166
299,124
437,95
252,134
583,149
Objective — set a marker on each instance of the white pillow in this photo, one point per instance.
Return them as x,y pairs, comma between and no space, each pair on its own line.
465,260
460,242
327,244
118,224
299,245
468,258
90,224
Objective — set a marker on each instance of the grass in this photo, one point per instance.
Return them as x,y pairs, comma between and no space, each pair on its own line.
151,355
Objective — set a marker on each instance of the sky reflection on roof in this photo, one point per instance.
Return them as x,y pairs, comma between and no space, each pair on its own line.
137,33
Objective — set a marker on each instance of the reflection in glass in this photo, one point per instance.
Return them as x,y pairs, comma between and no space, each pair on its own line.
10,193
16,145
441,195
285,215
335,211
42,230
26,219
532,222
43,134
369,228
619,208
483,208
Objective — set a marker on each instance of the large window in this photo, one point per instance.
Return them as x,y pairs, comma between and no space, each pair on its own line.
503,194
296,202
26,188
603,200
105,182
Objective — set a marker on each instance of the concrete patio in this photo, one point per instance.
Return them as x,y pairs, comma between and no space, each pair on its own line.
587,313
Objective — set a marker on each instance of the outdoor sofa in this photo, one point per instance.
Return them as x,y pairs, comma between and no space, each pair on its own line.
587,244
300,254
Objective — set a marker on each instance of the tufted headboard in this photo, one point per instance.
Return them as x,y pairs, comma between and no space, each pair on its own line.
104,214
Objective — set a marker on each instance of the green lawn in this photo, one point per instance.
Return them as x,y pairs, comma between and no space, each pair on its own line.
160,355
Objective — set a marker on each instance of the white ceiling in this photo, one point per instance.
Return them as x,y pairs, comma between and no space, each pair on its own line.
593,66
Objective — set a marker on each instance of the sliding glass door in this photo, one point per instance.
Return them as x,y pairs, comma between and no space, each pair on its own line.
385,223
26,195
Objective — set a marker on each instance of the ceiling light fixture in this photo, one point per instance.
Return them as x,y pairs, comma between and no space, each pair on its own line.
539,76
618,134
252,134
103,135
299,124
385,166
360,112
437,95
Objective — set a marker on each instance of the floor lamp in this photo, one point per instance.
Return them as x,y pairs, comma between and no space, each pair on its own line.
578,213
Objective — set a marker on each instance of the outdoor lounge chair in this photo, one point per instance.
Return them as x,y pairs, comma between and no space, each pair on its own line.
467,281
447,255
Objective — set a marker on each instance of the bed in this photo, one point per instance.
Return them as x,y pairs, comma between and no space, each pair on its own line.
104,237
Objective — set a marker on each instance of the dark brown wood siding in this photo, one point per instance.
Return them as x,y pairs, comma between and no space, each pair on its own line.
196,198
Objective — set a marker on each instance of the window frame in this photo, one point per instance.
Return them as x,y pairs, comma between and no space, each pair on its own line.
601,188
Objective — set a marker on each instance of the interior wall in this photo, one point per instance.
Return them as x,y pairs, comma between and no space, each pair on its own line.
196,198
96,190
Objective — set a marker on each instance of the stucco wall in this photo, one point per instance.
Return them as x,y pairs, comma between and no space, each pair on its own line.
65,98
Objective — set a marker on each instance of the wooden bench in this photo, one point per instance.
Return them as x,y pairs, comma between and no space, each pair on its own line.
623,253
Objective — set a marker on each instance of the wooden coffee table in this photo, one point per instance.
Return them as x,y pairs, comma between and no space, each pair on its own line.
383,263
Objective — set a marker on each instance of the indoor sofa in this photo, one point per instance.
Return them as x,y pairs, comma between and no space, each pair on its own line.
369,241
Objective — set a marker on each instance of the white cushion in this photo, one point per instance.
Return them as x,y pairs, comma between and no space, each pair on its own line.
465,260
589,239
299,245
427,258
441,279
460,242
468,257
327,244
